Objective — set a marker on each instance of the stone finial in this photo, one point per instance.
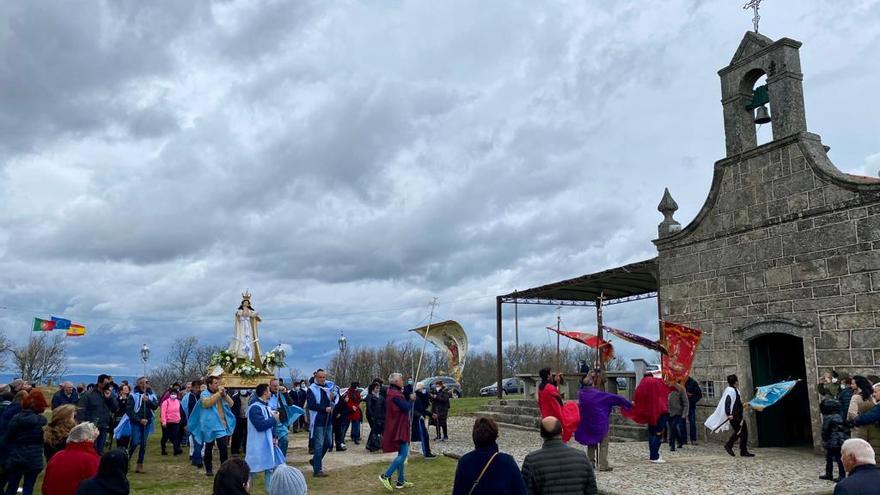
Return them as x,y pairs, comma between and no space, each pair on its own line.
667,207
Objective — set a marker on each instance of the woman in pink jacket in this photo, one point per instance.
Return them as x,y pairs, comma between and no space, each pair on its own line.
170,415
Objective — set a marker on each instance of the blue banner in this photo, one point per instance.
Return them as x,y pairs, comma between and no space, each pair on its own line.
61,323
768,395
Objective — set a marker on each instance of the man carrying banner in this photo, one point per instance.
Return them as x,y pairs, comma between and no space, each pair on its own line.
730,413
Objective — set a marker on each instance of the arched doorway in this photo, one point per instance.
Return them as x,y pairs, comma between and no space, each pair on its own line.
777,357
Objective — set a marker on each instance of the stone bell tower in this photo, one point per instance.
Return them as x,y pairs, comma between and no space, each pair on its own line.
780,61
780,268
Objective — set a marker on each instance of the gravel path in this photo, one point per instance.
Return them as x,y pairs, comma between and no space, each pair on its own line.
703,469
694,469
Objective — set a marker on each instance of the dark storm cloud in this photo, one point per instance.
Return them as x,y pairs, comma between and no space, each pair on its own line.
339,159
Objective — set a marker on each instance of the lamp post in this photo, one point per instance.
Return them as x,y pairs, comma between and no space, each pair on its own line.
342,345
145,356
279,351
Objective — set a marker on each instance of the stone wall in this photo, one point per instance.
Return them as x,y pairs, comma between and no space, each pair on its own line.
785,243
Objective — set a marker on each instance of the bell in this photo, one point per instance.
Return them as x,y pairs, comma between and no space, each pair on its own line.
762,115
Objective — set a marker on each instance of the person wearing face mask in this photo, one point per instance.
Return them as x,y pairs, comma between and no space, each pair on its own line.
419,429
140,413
97,406
375,415
298,397
440,409
240,401
170,416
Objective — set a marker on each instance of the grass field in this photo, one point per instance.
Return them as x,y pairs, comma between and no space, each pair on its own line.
166,475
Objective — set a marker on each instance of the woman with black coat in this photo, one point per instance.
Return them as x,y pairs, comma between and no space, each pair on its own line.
375,416
112,477
24,441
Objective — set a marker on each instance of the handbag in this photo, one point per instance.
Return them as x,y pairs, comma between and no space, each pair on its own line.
474,486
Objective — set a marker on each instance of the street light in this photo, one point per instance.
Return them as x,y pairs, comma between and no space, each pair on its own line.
145,356
279,351
342,345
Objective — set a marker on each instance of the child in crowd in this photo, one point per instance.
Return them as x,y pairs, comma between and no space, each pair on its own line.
833,436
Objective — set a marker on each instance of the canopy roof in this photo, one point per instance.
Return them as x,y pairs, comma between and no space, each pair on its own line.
624,283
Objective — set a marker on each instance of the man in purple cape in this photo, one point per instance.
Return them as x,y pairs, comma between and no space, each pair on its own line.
595,407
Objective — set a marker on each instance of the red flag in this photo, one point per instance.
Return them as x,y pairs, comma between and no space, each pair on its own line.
681,344
590,340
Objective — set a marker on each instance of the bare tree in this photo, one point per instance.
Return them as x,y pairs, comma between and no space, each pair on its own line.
5,349
182,356
296,375
42,358
202,360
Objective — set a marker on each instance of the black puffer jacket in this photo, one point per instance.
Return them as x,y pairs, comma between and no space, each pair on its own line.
833,431
24,438
557,469
376,411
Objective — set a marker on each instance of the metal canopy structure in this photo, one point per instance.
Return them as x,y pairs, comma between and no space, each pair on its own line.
631,282
622,284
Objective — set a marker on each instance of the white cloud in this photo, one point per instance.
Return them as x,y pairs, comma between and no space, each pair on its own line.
339,159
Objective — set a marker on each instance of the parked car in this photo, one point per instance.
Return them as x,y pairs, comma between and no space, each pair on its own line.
451,383
509,386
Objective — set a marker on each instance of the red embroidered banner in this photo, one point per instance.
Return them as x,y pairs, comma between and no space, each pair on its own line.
590,340
681,345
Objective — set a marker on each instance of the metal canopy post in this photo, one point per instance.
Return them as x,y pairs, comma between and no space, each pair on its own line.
600,332
516,322
499,389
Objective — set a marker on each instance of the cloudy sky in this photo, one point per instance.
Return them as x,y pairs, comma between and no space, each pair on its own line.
348,161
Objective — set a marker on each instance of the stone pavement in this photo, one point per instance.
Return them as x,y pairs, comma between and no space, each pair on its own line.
704,469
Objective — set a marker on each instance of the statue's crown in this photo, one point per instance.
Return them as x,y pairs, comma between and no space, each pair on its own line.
245,296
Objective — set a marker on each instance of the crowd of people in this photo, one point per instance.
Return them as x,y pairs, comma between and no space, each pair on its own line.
75,445
92,428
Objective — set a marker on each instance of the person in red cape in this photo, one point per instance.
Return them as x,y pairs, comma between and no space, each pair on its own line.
549,401
551,404
651,407
77,462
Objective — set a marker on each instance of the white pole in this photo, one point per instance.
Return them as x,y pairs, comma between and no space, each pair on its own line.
425,343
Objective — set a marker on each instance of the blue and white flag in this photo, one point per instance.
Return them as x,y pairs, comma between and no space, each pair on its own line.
768,395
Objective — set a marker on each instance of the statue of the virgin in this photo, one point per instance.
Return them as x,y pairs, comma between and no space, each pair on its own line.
246,342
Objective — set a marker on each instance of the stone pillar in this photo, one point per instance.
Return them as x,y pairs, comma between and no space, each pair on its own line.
641,367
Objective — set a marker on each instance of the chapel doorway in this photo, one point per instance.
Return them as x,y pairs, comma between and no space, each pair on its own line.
778,357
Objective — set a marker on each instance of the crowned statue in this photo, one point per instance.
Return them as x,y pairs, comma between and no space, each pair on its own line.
246,342
242,364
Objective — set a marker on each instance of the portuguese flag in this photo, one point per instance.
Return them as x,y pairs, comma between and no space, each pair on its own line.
43,325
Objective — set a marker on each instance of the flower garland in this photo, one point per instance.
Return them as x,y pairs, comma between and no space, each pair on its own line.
245,368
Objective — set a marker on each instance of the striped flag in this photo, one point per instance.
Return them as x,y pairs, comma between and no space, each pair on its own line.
76,330
41,325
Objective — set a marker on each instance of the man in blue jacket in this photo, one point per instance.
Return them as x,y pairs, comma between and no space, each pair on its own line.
862,475
65,395
694,394
320,402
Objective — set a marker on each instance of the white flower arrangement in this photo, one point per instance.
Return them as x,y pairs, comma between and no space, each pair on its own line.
234,365
272,360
